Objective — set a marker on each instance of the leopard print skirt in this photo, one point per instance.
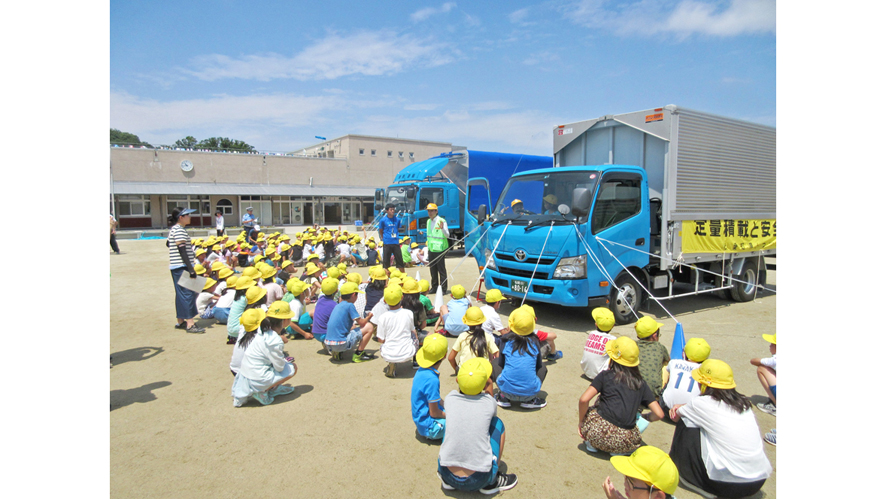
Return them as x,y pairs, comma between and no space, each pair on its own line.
605,436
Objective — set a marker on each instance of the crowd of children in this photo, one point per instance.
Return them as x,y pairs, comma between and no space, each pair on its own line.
254,288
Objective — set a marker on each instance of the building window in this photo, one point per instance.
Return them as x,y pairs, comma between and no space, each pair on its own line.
225,206
198,203
390,154
362,152
133,206
412,155
401,154
372,152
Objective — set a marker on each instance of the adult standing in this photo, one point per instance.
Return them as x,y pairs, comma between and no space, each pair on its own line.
438,244
219,224
114,235
249,220
181,258
389,227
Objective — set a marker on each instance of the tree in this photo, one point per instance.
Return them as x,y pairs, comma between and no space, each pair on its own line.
126,139
188,142
224,143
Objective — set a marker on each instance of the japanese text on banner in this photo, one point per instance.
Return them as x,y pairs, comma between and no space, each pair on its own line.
730,236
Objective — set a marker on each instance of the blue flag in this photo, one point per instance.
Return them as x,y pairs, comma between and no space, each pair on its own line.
678,344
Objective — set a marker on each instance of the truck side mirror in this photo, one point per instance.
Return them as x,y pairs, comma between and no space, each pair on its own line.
481,213
581,202
410,191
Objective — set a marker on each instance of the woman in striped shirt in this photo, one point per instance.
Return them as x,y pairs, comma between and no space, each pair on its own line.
181,258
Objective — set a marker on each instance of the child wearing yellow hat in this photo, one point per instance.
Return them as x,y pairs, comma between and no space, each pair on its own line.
427,405
424,288
680,387
490,306
372,255
345,329
716,445
522,372
206,299
653,355
766,375
594,358
264,367
610,425
475,342
649,465
222,309
452,312
296,295
325,304
411,302
396,331
244,282
475,436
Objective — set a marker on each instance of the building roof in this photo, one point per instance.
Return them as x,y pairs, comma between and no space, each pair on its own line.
194,188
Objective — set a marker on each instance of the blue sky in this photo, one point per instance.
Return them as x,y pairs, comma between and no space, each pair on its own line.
494,76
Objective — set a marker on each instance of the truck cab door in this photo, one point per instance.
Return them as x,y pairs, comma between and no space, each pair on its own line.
621,214
477,194
379,203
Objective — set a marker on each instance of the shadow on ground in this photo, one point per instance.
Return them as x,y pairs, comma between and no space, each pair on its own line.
141,395
134,354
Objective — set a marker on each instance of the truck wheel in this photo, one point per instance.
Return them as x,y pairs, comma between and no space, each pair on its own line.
625,299
744,291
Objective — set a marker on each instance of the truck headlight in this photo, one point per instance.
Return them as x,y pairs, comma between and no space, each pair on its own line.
571,268
490,262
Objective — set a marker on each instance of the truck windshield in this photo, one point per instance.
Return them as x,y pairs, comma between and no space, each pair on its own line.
536,198
402,198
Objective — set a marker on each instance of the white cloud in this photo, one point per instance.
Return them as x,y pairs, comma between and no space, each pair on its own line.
518,16
655,17
423,14
420,107
544,57
365,53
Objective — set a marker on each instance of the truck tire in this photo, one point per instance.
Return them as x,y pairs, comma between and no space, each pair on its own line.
631,297
744,291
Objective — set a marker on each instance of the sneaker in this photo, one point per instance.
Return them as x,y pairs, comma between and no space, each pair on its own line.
535,403
264,398
415,365
501,401
768,408
181,325
335,355
443,484
362,357
231,341
556,356
589,447
770,438
390,371
281,390
195,329
503,481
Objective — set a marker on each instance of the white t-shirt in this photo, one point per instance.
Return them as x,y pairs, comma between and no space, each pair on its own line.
770,362
227,299
731,447
594,358
396,329
681,387
493,321
237,354
220,223
203,301
343,249
378,310
275,292
463,347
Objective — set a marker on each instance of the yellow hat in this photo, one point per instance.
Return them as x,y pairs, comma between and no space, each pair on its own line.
274,256
604,318
624,350
310,268
378,274
395,281
254,294
280,310
224,273
646,326
413,245
252,318
522,322
285,264
396,273
650,464
329,286
371,245
432,350
431,206
210,282
550,198
313,256
333,272
217,265
244,282
473,374
350,288
216,247
251,272
355,278
516,201
770,338
232,281
200,251
296,286
410,286
473,317
493,296
257,259
393,295
458,291
424,285
199,269
229,244
267,271
285,247
343,267
713,373
697,349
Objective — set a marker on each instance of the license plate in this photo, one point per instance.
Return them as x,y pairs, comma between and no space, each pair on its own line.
519,286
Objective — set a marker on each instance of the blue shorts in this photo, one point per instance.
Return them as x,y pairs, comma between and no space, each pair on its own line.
436,429
352,341
772,389
479,479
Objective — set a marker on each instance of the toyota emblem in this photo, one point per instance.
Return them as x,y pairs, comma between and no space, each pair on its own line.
520,255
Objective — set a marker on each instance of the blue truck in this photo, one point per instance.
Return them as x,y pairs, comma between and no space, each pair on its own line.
667,201
443,180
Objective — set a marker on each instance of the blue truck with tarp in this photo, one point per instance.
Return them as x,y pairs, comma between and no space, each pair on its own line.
442,180
665,202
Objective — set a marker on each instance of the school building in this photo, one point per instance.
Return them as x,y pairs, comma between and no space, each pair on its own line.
328,183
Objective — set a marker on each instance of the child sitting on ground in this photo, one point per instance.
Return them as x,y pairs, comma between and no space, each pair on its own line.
475,342
427,405
653,355
325,304
396,332
424,286
594,358
207,298
680,387
296,297
766,375
411,302
474,438
451,314
341,335
522,371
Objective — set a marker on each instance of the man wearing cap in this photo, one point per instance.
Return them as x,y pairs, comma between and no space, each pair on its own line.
389,228
594,359
249,221
549,205
438,244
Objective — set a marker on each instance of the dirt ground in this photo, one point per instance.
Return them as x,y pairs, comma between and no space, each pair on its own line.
347,429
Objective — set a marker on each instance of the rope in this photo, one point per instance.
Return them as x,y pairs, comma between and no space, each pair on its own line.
483,272
537,261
